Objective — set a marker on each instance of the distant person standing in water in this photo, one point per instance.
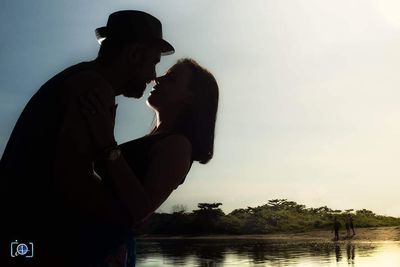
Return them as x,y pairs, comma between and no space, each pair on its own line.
347,225
349,222
336,227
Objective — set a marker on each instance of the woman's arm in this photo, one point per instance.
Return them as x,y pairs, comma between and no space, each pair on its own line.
78,146
170,161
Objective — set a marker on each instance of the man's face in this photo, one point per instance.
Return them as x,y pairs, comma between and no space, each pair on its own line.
143,71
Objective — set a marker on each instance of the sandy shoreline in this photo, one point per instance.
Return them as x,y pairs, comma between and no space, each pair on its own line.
362,234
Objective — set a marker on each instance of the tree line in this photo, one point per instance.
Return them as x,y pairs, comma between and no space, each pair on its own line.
277,216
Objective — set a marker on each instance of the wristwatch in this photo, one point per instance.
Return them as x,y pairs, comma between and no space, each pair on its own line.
114,154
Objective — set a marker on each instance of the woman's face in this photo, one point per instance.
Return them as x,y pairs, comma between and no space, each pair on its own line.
172,89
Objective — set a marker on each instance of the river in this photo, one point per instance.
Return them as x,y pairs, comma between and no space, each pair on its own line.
243,252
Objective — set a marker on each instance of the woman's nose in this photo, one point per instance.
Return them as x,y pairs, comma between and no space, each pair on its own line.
158,80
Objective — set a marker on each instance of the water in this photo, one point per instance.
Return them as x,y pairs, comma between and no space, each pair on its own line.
235,252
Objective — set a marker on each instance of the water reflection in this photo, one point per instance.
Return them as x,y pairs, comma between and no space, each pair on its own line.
350,251
338,253
263,253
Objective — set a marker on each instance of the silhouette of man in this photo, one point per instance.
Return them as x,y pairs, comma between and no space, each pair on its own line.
46,170
347,225
336,227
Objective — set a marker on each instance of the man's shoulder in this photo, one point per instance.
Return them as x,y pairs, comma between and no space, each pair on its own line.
87,79
84,81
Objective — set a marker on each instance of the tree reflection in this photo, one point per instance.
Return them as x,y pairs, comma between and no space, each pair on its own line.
209,255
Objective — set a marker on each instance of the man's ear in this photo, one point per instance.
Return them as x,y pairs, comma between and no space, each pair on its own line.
135,53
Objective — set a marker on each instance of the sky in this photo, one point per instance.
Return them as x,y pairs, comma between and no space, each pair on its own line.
309,91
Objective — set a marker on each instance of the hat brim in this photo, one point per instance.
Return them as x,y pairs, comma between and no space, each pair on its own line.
165,47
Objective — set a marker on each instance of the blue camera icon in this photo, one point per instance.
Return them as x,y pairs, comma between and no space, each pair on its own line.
21,249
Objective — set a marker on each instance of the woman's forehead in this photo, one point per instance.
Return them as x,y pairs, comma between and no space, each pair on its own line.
178,68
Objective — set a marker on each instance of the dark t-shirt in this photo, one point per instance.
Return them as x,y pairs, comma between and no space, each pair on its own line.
336,226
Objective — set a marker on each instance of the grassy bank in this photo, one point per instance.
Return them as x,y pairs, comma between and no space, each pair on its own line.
275,217
374,234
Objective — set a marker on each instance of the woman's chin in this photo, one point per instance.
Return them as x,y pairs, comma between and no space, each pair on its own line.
152,102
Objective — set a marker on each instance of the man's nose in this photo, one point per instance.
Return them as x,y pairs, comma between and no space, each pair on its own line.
151,77
157,80
153,74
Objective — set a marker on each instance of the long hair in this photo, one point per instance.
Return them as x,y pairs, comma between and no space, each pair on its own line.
197,121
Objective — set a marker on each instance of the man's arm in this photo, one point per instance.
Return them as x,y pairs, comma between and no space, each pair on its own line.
170,161
81,190
76,183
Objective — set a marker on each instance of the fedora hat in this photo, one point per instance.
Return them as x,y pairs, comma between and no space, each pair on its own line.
137,26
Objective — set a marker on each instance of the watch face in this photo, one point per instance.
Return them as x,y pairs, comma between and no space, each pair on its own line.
114,154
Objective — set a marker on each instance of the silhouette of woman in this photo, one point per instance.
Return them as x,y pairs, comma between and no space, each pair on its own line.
185,102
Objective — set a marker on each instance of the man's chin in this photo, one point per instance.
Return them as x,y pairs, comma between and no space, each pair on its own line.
135,91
